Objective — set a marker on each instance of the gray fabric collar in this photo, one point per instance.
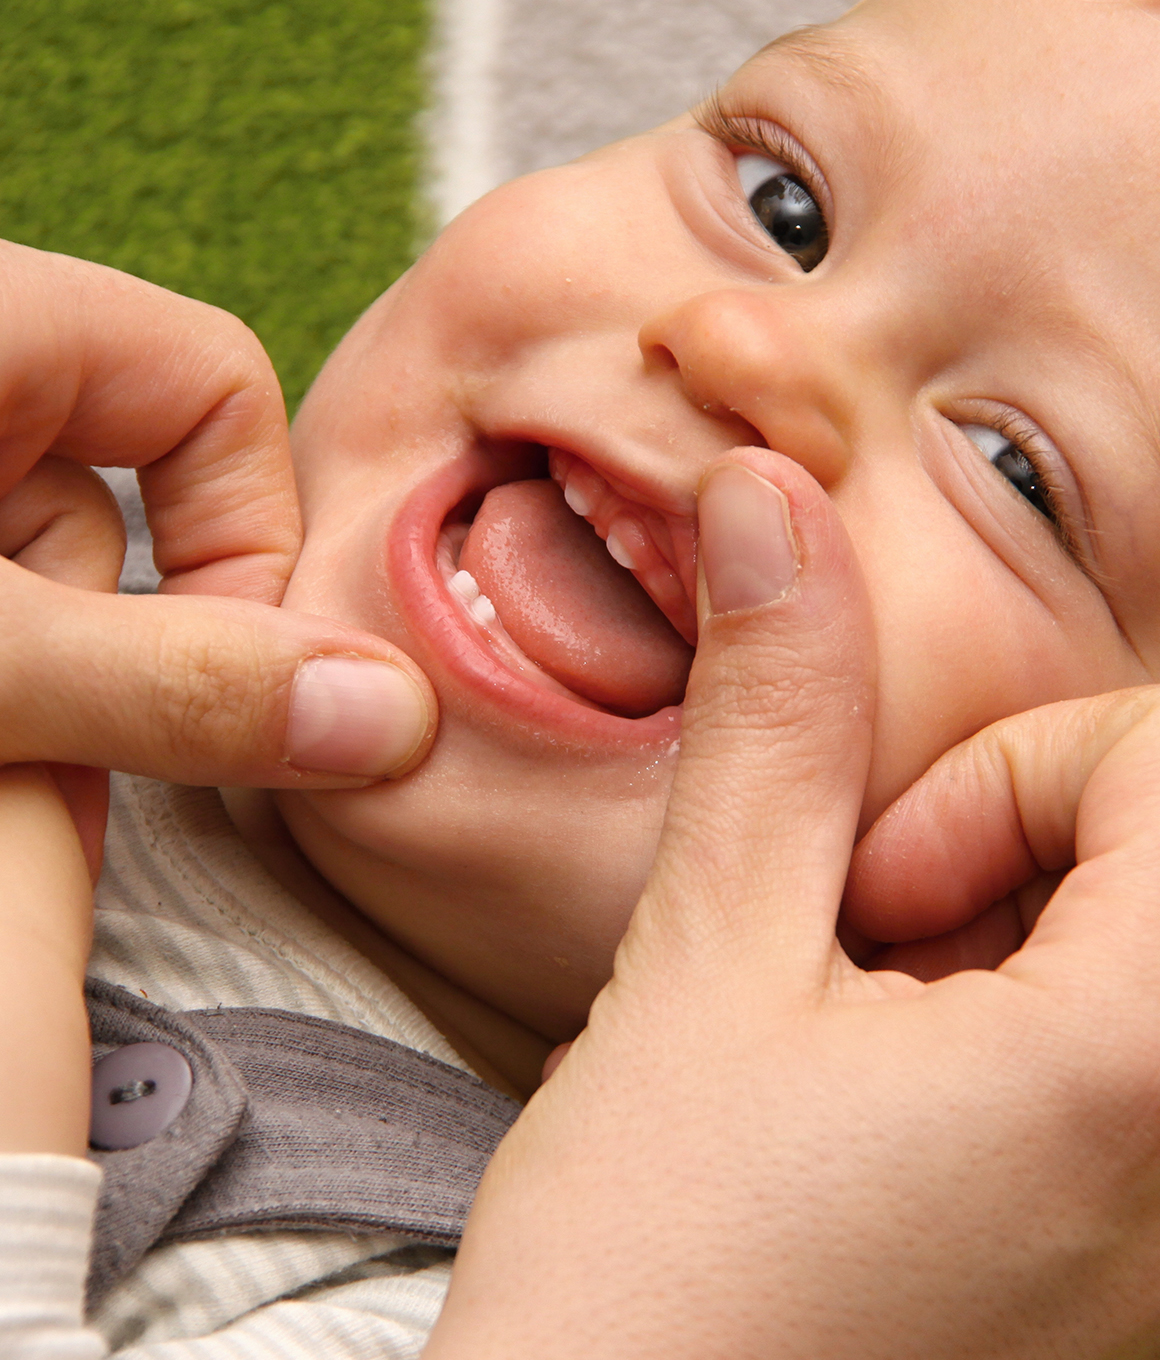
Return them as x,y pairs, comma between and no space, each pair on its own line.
293,1122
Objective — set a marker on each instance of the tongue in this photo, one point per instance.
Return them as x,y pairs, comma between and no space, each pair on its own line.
568,606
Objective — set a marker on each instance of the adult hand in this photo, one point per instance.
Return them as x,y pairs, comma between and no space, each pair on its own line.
757,1148
99,368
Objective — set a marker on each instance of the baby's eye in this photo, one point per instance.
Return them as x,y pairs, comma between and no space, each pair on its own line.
1015,465
785,208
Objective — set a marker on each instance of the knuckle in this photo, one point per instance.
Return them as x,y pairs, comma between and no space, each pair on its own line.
246,363
773,686
212,693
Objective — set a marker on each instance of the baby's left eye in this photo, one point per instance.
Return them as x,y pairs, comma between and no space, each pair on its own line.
785,208
1008,459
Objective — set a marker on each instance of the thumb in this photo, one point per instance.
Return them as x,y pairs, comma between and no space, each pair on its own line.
776,734
202,690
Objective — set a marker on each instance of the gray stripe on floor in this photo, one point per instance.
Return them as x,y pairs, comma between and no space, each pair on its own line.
528,83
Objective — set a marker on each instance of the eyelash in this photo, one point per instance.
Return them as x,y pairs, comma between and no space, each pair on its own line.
766,139
1024,441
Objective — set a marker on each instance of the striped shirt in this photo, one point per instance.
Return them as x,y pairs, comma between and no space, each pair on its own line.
186,916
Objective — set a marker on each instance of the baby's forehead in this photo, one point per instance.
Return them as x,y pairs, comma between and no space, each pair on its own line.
1017,138
1031,85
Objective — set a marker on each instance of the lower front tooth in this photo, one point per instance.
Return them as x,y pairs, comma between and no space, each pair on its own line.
463,584
482,610
619,551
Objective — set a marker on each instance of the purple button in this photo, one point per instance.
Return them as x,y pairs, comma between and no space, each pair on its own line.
138,1091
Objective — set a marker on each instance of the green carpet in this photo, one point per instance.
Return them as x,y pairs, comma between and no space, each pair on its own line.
262,157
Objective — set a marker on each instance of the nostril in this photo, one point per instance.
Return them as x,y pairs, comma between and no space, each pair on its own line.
658,358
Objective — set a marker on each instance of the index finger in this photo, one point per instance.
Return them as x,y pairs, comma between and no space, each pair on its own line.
987,817
111,371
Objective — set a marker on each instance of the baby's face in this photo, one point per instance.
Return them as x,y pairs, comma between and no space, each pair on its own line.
915,252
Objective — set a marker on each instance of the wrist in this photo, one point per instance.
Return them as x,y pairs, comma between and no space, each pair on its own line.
44,1055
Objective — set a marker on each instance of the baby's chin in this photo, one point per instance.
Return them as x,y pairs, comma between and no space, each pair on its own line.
513,878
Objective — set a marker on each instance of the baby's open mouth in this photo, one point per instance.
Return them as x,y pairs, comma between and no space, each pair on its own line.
610,623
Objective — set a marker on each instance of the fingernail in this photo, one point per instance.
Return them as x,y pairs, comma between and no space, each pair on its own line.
350,716
747,549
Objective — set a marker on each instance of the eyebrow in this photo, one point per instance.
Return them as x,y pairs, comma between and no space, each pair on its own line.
833,58
832,55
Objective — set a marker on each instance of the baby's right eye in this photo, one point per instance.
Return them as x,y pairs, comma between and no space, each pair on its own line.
1007,458
785,208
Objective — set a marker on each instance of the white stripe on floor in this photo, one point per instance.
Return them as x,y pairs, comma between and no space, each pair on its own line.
465,163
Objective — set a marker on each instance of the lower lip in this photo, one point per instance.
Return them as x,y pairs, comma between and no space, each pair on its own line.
433,615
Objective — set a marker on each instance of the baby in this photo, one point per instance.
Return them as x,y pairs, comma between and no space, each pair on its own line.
874,253
911,251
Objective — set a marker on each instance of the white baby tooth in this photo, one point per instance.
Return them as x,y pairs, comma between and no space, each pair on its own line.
577,500
463,585
482,610
618,550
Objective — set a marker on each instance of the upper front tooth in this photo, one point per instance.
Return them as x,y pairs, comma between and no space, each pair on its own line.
463,584
619,550
577,500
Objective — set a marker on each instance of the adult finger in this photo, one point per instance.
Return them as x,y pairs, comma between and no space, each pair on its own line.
776,733
62,522
989,816
202,690
112,371
1100,933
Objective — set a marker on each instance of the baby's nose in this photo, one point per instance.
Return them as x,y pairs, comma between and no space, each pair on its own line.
757,354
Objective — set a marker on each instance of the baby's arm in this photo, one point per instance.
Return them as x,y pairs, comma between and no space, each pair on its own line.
46,1201
45,929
